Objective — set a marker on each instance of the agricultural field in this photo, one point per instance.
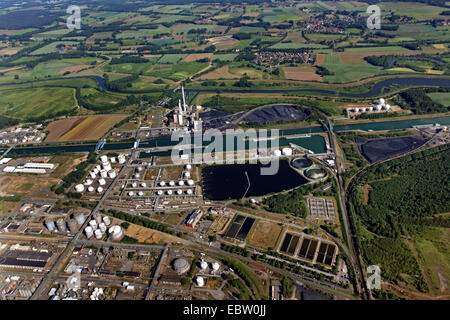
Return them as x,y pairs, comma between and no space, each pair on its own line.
98,126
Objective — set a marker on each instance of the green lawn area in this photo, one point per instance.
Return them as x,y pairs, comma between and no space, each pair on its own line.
440,97
179,71
142,33
224,57
172,58
377,49
51,34
347,72
35,102
297,45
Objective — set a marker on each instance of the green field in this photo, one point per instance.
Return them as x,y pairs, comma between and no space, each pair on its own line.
440,97
35,102
297,45
52,47
172,58
179,71
224,57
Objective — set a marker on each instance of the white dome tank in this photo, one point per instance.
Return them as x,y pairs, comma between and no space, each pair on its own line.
104,158
162,183
106,220
92,174
131,193
189,191
79,188
169,192
99,189
91,189
143,185
215,266
287,151
181,183
190,182
98,234
387,106
102,182
134,184
200,281
140,193
112,174
188,167
93,224
179,191
381,101
203,265
102,227
88,182
160,192
89,232
187,174
115,232
171,183
277,153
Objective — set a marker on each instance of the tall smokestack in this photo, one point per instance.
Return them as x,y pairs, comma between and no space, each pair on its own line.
184,100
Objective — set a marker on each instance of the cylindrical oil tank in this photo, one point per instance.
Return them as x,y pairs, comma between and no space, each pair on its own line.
203,265
96,170
106,220
93,224
102,182
143,185
139,169
107,166
188,167
187,174
169,192
61,225
215,266
99,189
121,158
140,193
79,188
200,281
277,153
112,174
102,227
179,191
160,192
88,182
181,183
98,167
104,158
189,191
79,217
103,173
73,226
113,160
89,232
115,232
92,174
171,183
190,182
162,183
287,151
98,234
134,185
50,224
131,193
91,189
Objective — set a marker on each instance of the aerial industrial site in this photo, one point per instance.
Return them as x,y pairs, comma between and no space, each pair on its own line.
197,151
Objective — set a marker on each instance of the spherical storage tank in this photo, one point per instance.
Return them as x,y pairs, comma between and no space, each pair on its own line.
200,281
215,266
134,185
143,185
160,192
169,192
79,188
89,232
140,193
287,151
115,232
131,193
179,191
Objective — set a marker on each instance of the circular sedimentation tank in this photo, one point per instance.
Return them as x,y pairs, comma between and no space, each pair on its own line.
181,265
301,163
316,173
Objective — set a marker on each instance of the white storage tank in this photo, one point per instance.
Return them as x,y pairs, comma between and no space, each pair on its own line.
98,218
381,101
140,193
215,266
189,191
287,151
106,220
61,225
162,183
121,158
179,191
171,183
378,107
137,176
98,234
187,175
277,153
89,232
169,192
143,185
190,182
387,106
134,184
92,174
160,192
115,232
113,160
370,108
203,265
99,189
199,281
93,224
103,173
131,193
79,217
79,188
188,167
102,182
112,174
98,167
139,169
102,227
181,183
50,224
91,189
107,166
104,158
88,182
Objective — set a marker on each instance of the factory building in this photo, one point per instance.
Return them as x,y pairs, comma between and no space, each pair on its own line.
194,218
24,259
